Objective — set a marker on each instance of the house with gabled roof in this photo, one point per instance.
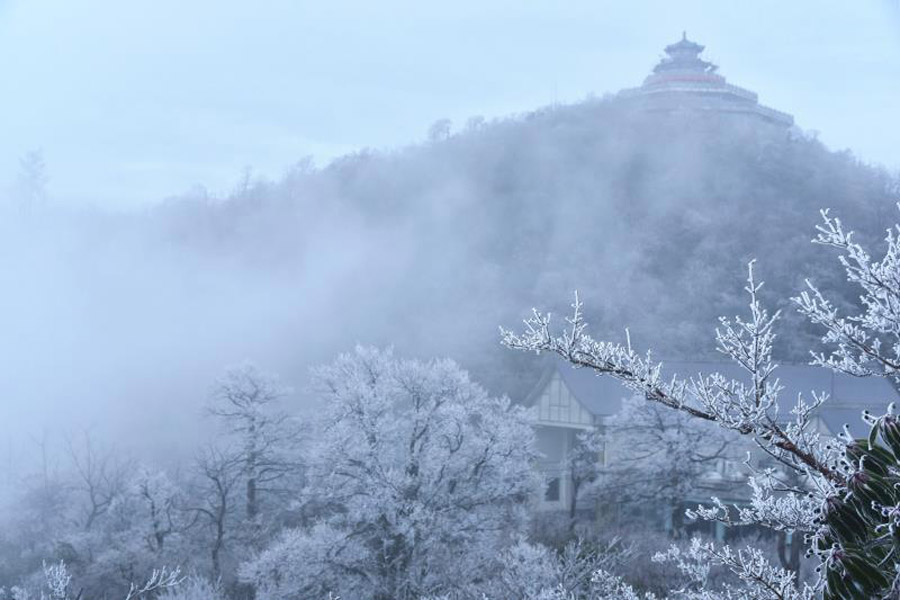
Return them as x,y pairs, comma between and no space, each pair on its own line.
569,400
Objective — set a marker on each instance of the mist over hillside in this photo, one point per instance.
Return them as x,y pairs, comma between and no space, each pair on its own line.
121,320
409,301
646,215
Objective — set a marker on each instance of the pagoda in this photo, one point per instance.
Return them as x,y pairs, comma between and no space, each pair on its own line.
682,81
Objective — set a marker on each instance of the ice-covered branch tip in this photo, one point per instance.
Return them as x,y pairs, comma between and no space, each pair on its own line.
867,343
160,579
637,372
749,407
749,343
57,581
761,579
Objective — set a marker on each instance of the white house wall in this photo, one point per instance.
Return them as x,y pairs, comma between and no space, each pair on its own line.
557,406
560,417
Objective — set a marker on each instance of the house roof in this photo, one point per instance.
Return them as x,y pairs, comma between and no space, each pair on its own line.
848,396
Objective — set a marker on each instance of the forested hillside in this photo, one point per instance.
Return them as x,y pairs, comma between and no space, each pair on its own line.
648,216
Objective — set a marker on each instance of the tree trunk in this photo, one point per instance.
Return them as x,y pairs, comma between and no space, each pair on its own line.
219,542
789,553
677,517
573,505
216,567
252,505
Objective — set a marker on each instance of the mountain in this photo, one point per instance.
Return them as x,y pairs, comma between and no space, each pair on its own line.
650,215
650,203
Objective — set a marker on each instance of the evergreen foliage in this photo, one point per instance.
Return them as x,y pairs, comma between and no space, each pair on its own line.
860,534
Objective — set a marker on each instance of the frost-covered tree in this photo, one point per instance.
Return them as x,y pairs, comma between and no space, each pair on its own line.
246,401
145,526
57,582
97,524
439,130
31,181
194,587
533,571
866,343
660,455
160,503
100,477
583,465
426,478
218,474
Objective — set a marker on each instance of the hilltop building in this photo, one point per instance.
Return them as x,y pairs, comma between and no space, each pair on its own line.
682,81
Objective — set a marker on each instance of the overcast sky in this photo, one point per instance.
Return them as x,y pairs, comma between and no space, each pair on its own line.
132,101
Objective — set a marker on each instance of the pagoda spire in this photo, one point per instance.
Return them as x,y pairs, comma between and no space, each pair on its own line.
684,56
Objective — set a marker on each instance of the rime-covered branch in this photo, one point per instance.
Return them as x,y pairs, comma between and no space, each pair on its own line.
761,580
159,580
748,406
865,343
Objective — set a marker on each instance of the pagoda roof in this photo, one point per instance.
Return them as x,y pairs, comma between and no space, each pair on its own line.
684,45
683,80
684,56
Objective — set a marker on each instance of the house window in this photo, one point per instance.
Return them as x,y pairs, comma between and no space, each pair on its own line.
552,492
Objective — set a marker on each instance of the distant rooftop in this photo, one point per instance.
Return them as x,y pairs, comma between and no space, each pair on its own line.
848,396
684,81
